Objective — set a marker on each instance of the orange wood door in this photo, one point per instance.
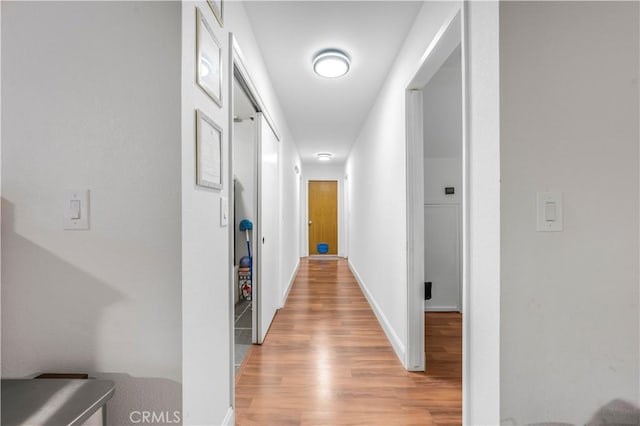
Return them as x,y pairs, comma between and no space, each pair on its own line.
323,215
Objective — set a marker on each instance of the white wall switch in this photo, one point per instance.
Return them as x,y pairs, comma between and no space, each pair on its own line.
76,205
224,212
549,211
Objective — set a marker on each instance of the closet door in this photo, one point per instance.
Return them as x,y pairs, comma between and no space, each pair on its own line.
268,245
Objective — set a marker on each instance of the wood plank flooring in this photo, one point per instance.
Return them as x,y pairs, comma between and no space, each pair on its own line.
326,361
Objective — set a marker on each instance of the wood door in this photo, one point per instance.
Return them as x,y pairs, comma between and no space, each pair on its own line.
323,215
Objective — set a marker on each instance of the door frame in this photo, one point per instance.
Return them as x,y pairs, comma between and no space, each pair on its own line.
447,39
306,211
477,25
238,71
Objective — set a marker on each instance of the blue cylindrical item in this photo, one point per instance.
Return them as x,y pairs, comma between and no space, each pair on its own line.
323,248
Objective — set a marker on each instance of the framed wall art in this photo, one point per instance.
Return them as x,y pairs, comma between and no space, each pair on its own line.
208,152
216,7
208,60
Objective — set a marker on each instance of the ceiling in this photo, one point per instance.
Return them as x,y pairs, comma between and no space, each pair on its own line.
325,115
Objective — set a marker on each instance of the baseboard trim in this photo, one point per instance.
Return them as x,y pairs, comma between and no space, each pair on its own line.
324,257
229,418
292,278
441,308
393,338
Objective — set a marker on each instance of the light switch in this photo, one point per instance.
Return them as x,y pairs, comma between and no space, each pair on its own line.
76,204
74,209
549,211
224,212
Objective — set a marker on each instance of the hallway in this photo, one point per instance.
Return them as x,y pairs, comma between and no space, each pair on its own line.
326,360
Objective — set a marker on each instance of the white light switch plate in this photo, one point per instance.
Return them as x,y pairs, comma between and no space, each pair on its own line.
549,207
76,209
224,212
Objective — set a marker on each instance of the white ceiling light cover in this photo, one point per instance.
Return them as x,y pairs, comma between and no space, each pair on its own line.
331,63
324,156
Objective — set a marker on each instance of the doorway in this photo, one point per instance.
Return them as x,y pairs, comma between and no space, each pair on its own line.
436,187
442,136
255,238
245,217
323,217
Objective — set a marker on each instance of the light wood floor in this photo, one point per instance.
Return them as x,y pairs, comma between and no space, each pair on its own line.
326,361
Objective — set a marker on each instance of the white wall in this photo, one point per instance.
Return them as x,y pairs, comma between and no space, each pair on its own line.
569,113
207,319
335,172
377,189
442,109
438,174
205,248
290,196
442,123
377,200
90,100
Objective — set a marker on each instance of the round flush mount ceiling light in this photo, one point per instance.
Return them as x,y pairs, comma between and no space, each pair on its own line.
331,63
324,156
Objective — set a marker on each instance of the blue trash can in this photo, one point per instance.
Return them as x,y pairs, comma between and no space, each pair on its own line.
323,248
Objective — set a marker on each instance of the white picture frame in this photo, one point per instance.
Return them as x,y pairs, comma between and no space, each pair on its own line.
208,152
208,59
217,9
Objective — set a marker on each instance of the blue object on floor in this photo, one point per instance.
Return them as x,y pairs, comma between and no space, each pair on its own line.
323,248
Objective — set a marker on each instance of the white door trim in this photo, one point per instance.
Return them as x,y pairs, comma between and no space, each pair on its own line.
446,40
479,36
415,356
481,217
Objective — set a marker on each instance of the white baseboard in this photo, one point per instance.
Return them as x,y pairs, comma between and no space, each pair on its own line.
393,338
229,418
429,308
292,278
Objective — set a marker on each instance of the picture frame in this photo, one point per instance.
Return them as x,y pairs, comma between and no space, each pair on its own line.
208,59
217,9
208,152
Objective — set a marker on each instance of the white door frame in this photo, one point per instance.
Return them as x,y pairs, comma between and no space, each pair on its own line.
306,211
238,68
476,27
447,39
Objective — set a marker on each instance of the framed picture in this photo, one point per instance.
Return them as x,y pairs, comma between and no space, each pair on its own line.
208,60
216,7
208,152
